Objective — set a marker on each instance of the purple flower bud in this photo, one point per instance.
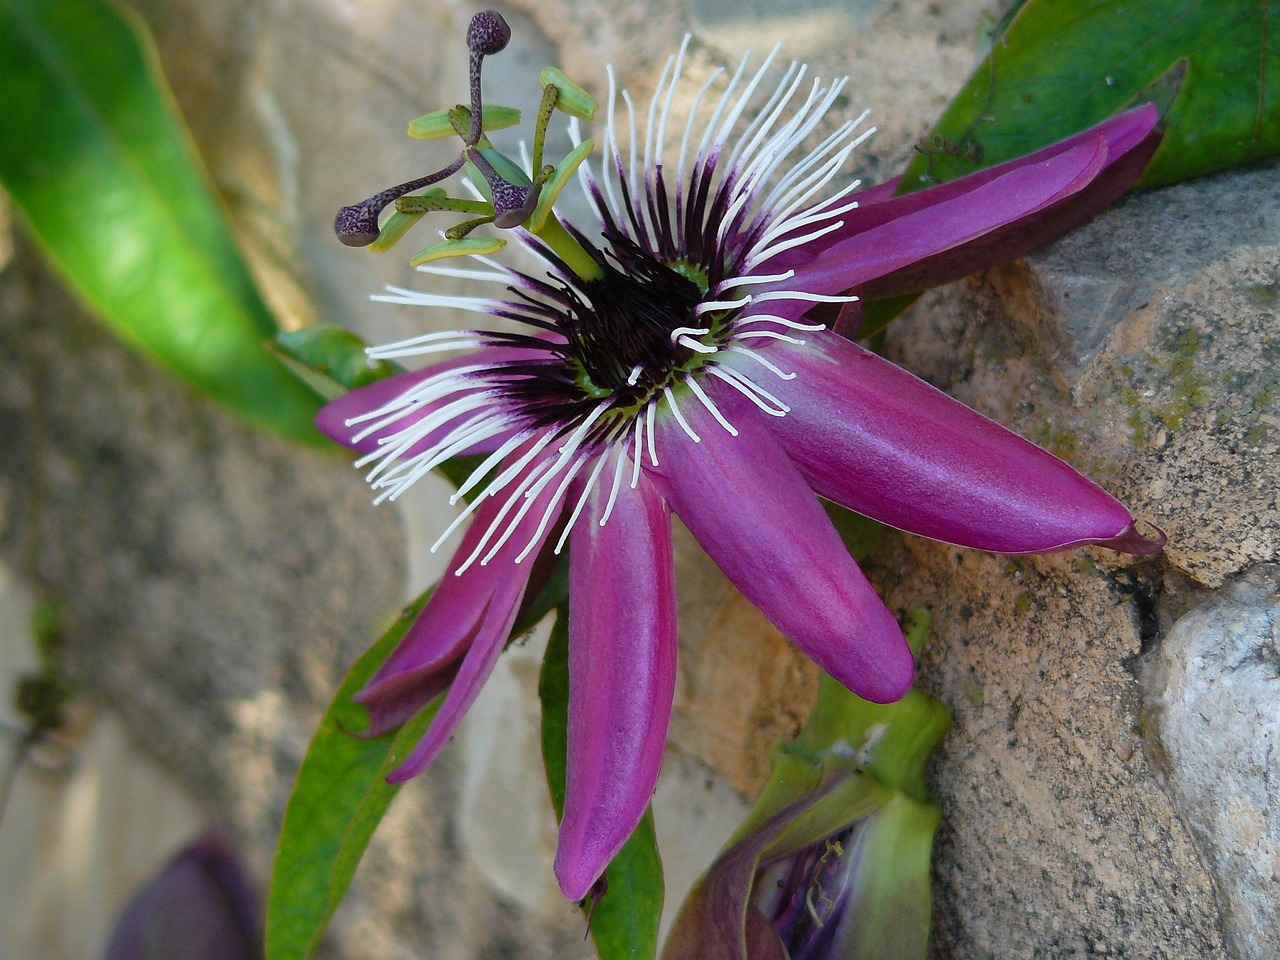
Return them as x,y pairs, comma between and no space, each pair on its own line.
200,907
488,33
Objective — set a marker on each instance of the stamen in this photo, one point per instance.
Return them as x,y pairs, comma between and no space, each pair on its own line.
675,410
711,407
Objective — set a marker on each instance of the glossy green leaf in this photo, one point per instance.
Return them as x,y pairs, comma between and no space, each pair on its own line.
337,802
1060,66
624,923
330,360
93,154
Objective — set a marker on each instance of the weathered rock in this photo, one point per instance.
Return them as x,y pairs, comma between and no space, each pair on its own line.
1141,349
1212,694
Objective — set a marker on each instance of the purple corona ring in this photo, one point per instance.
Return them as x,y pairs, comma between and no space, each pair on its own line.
675,367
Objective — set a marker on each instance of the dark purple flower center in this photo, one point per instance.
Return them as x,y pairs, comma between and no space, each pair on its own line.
621,335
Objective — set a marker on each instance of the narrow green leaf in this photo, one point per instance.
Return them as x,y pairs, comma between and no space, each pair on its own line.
338,800
93,154
1061,66
330,360
624,924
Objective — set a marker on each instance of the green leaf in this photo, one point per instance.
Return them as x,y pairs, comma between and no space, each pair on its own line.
330,360
94,156
338,800
1062,65
624,923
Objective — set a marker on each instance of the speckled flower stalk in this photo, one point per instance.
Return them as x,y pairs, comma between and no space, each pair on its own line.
665,361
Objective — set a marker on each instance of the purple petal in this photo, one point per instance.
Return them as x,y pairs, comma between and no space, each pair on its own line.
937,235
872,437
485,598
461,609
758,520
622,677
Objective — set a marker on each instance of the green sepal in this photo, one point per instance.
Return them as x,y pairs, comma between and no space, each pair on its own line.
438,124
330,360
572,99
556,182
465,247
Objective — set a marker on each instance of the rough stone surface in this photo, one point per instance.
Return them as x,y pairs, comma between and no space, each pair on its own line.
1140,349
1211,694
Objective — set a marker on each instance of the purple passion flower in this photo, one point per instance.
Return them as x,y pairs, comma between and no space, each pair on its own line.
662,360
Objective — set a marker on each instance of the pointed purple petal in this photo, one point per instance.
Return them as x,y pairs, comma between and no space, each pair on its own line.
622,677
425,660
872,437
922,239
758,520
486,603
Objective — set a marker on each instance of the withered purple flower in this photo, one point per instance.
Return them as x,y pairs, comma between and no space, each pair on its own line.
665,362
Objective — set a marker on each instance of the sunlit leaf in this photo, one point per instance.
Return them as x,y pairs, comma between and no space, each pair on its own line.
95,157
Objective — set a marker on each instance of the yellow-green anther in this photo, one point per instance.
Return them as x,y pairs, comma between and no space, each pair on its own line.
470,246
556,182
460,230
547,107
573,100
434,126
397,226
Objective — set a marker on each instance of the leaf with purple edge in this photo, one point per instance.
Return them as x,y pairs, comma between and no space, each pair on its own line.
338,800
624,922
1059,67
